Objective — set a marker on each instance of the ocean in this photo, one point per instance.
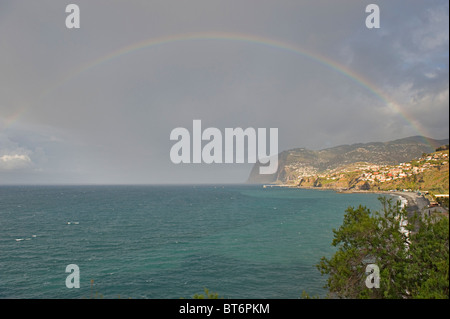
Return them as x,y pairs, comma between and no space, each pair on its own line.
168,242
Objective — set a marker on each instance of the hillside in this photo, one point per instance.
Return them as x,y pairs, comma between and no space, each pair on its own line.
300,164
432,175
428,173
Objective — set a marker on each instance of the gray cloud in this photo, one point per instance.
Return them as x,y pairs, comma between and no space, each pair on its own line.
111,122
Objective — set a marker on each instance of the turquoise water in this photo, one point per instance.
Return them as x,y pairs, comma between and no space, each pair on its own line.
167,241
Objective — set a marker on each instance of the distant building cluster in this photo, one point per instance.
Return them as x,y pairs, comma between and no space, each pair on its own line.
385,173
299,170
367,172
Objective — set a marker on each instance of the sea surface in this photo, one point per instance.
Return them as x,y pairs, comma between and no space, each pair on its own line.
168,242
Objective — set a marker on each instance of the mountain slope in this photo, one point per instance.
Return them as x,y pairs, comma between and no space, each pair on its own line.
303,162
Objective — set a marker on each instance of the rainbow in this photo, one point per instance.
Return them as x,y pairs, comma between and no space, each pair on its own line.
236,37
12,118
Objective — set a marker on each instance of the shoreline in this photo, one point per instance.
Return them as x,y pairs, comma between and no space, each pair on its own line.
414,202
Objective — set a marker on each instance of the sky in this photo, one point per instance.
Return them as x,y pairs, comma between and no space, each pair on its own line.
97,104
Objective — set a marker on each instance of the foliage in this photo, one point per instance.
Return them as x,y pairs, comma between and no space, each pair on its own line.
207,295
412,265
305,295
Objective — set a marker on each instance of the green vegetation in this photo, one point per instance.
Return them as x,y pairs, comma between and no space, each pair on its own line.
414,265
207,295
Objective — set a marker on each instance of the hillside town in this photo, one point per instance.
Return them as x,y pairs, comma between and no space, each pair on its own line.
385,173
426,175
424,181
367,172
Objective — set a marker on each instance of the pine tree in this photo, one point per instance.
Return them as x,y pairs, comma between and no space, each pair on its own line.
413,261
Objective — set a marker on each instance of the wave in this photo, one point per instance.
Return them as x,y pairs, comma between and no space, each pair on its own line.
403,201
